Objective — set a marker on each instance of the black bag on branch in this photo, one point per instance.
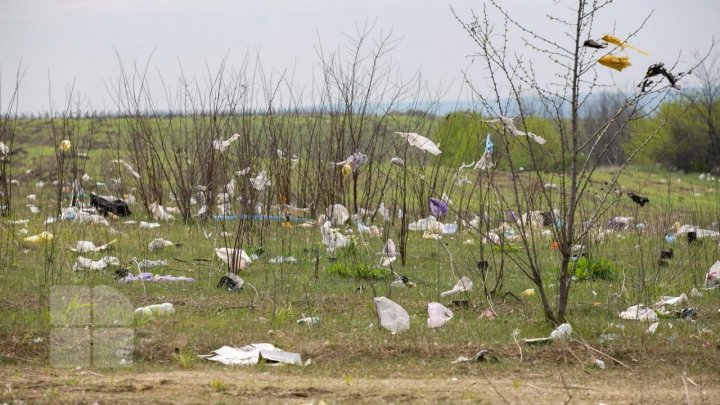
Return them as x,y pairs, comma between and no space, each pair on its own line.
117,207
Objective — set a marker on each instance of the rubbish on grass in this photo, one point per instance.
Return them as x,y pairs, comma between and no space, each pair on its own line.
104,206
667,254
154,278
530,292
237,259
481,356
231,282
309,320
84,246
83,263
488,313
282,259
561,332
668,300
392,316
148,225
146,264
159,213
156,309
389,253
158,244
252,354
687,313
639,313
402,282
261,181
44,237
712,277
599,364
438,314
652,328
332,239
695,293
463,285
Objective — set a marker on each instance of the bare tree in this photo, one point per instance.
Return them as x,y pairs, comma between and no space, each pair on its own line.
511,78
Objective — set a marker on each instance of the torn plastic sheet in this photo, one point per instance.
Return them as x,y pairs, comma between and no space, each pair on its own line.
392,316
252,354
463,285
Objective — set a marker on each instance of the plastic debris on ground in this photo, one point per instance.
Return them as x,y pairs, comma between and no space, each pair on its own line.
401,282
639,313
389,253
146,264
309,320
231,282
564,331
668,300
652,328
599,364
83,263
165,308
687,313
159,244
148,225
236,259
154,278
41,237
712,277
463,285
84,246
282,259
252,354
530,292
438,315
392,316
333,239
479,357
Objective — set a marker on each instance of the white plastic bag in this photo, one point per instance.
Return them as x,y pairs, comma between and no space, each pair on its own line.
392,316
438,314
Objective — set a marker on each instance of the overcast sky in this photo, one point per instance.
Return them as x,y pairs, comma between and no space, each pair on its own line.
75,40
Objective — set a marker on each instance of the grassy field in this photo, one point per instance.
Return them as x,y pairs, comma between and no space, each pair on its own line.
351,358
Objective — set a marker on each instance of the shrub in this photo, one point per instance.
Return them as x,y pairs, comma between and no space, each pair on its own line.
359,270
601,269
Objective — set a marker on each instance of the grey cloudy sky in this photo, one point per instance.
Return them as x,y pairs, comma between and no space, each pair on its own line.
74,40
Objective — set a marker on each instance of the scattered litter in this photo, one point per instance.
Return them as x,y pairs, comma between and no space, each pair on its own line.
389,253
392,316
237,259
154,278
309,320
282,259
561,332
463,285
333,239
687,313
652,328
639,313
438,314
83,263
146,264
44,237
402,282
712,277
261,181
231,282
159,244
530,292
488,313
252,354
159,213
695,293
156,309
84,246
107,206
147,225
599,364
667,300
481,356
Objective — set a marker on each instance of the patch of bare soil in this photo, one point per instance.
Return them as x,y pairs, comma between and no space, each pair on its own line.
233,385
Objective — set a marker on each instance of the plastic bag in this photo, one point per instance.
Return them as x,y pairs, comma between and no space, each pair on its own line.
392,316
438,314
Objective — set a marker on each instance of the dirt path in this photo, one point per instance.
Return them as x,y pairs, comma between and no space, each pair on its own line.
233,385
